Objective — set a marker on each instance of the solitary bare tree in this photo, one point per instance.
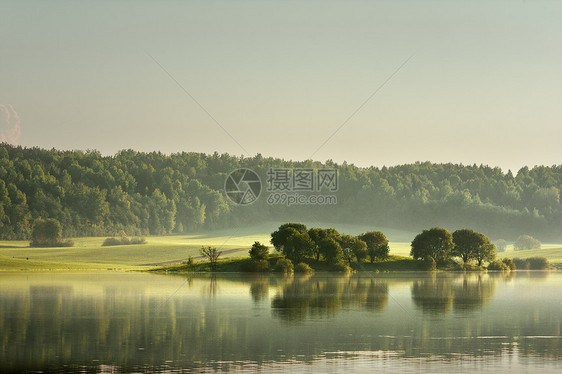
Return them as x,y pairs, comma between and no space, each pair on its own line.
212,254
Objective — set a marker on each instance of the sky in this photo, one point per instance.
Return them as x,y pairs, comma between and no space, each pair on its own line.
367,82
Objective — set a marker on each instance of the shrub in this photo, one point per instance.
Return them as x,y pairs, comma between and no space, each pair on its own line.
123,241
48,233
190,261
341,267
521,263
532,263
66,243
257,266
137,240
284,265
498,265
111,241
509,263
428,264
538,263
303,268
259,251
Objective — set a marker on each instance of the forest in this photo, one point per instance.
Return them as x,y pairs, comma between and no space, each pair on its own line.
139,193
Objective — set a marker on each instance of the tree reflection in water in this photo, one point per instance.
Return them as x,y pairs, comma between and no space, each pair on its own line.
323,297
141,322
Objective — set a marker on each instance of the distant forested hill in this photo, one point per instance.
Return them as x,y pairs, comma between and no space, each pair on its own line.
152,193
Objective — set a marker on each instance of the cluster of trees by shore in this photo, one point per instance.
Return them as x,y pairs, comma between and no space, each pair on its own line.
153,193
297,243
436,245
433,247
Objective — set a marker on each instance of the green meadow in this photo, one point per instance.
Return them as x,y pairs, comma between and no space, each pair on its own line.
88,253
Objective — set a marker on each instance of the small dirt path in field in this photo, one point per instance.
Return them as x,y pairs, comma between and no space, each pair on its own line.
198,258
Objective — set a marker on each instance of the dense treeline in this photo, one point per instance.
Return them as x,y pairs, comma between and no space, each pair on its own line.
138,193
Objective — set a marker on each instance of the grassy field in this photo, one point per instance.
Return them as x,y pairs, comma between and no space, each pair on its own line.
552,252
168,250
159,250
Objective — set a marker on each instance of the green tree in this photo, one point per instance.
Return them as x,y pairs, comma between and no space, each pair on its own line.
486,251
332,251
353,247
293,241
467,243
317,235
377,244
46,233
436,243
280,237
259,251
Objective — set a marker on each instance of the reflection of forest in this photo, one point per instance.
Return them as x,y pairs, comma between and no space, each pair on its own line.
324,296
215,322
440,293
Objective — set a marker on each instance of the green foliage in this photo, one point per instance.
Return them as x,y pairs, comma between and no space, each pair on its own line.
498,265
428,264
257,266
525,242
259,251
509,263
292,240
538,263
284,265
331,251
212,254
154,193
436,243
377,245
472,245
341,268
520,264
317,235
466,243
352,247
532,263
48,233
301,267
123,241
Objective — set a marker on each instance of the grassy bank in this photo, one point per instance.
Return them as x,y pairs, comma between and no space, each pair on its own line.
392,263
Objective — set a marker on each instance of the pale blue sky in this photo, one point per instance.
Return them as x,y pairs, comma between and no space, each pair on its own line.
484,84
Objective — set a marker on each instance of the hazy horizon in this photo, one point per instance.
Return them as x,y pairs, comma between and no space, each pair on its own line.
458,82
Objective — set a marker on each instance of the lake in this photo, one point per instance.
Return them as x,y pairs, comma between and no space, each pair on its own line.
392,322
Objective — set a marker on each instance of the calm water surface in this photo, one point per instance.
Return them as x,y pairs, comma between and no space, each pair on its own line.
408,322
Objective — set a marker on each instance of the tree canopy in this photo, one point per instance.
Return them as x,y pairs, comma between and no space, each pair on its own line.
377,244
436,243
153,193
